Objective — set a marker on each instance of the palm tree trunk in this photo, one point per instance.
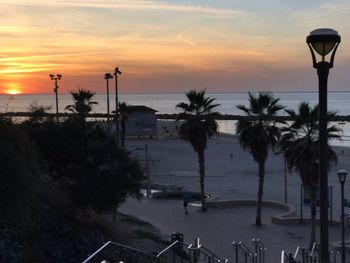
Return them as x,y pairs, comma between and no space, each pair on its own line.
313,197
201,161
260,192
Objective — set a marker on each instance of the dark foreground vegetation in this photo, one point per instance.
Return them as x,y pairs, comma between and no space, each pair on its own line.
53,178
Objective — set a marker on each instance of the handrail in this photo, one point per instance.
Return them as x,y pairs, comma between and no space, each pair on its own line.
206,250
243,247
259,242
247,249
167,248
96,252
283,256
296,252
119,245
314,246
260,249
197,249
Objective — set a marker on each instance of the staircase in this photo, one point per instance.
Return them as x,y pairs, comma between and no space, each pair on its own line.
177,251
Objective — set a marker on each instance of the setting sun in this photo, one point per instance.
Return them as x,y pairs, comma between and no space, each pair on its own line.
13,88
12,92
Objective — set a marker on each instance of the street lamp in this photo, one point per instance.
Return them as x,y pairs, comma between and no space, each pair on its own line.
108,76
116,73
323,41
56,78
342,177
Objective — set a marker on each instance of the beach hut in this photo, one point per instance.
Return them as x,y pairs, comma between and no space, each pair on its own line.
141,121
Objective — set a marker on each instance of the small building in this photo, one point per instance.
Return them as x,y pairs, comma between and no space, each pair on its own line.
141,121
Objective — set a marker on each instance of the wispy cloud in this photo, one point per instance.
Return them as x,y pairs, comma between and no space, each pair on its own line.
185,40
142,5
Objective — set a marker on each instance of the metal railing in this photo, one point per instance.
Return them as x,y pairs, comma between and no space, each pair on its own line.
176,252
260,249
255,255
112,251
240,249
199,253
303,255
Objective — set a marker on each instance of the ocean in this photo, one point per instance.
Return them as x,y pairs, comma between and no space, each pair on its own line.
166,102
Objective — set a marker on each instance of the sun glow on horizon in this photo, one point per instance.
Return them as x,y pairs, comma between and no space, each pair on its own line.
12,92
13,89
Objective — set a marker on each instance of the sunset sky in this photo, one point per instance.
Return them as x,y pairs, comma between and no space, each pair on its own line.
168,46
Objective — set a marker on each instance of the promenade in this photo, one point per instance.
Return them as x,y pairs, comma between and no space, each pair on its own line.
231,174
218,228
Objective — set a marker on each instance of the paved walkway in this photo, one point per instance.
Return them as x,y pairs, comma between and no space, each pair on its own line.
217,228
231,174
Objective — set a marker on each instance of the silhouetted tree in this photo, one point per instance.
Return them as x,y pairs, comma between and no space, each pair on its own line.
198,127
19,172
38,114
82,103
300,145
19,187
258,134
88,165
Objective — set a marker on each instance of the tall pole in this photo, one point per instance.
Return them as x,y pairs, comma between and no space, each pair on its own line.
116,73
56,78
108,76
322,72
322,41
56,95
342,223
107,86
285,180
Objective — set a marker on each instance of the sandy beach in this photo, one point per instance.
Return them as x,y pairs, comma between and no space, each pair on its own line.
230,171
231,174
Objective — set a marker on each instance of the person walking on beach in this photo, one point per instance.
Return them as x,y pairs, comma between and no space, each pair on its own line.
186,200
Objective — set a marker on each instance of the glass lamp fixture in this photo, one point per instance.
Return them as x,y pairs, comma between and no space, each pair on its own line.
323,41
342,175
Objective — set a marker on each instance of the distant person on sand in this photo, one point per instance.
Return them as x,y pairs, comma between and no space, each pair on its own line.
186,200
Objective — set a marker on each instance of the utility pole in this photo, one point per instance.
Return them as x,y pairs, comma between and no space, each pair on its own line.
56,78
116,73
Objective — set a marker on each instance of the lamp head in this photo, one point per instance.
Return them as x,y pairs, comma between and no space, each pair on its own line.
52,76
323,41
59,76
342,175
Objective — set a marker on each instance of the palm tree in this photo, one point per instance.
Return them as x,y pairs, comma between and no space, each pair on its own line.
82,103
259,133
124,110
198,127
300,145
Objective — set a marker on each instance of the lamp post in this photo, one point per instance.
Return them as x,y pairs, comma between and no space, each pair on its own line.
342,177
56,78
116,73
108,76
323,41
